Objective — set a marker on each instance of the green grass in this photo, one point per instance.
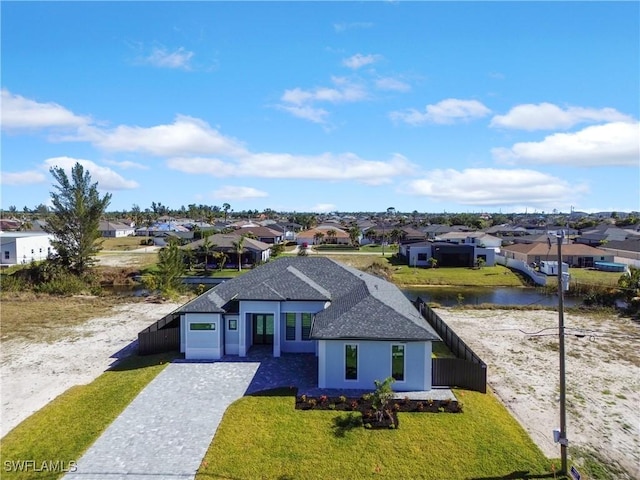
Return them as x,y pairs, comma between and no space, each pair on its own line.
496,276
593,277
66,427
122,243
278,441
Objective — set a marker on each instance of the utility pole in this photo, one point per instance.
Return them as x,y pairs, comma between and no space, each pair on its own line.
563,414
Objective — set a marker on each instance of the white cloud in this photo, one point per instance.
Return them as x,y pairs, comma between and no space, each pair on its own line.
495,187
185,136
301,103
342,27
358,60
329,167
306,112
230,192
612,144
547,116
22,113
344,91
323,208
447,111
163,58
22,178
107,179
393,84
127,165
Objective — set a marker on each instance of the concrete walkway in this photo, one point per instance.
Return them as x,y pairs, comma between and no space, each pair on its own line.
165,432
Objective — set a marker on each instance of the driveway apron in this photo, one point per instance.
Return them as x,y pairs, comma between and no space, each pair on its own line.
165,432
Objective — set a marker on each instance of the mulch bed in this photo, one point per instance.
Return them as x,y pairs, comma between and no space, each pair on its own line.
363,405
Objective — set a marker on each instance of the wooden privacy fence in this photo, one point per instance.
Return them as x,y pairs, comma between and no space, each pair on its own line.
467,370
159,337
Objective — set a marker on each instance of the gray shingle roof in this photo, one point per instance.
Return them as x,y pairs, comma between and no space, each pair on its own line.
361,305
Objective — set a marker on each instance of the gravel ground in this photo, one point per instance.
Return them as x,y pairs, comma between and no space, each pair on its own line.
602,377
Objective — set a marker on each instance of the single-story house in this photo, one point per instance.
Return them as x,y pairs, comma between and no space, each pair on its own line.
360,327
446,254
574,254
264,234
318,235
116,229
24,247
471,238
253,251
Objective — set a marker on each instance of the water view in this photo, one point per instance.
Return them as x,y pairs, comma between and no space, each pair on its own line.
451,296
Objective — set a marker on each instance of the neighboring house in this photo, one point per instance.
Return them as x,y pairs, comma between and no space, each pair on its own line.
116,229
601,235
264,234
24,247
433,231
253,251
471,238
627,251
446,254
360,327
575,255
507,231
309,236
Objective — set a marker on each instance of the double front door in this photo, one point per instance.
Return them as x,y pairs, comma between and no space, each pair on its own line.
262,329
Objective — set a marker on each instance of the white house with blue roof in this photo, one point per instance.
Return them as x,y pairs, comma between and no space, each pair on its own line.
360,327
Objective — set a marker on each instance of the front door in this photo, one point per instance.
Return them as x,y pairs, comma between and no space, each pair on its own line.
262,329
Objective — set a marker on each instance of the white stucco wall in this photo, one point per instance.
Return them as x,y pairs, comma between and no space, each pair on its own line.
202,344
24,247
374,363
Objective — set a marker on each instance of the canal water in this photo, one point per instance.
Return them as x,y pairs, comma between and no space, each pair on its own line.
511,296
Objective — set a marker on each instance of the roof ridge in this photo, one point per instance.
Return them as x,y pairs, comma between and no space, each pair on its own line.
293,270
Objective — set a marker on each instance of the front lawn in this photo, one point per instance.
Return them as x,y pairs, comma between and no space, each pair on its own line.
65,428
273,440
496,276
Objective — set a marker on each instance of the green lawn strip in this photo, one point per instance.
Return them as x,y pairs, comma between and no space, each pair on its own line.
496,276
276,441
65,428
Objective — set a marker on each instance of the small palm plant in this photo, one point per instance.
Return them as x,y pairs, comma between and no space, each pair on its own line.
381,397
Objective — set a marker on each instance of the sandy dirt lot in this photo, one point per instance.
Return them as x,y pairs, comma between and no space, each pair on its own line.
602,377
33,374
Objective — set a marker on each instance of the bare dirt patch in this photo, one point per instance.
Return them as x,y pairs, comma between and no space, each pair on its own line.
32,373
602,377
140,257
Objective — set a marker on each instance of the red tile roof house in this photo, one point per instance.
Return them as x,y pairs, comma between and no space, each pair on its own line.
360,327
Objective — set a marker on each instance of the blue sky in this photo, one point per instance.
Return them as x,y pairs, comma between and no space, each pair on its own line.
305,106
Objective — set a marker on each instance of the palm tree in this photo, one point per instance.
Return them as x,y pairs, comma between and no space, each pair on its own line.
371,235
226,207
354,234
239,247
332,235
206,248
395,235
221,258
318,237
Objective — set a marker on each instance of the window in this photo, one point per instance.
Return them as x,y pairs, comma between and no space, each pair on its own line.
202,326
397,362
422,257
233,324
6,255
290,321
306,326
351,362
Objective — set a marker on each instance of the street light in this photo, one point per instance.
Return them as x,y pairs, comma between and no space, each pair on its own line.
562,437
